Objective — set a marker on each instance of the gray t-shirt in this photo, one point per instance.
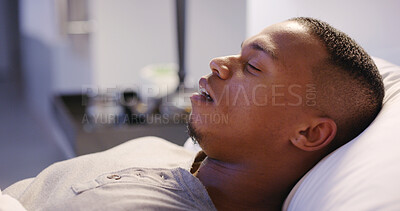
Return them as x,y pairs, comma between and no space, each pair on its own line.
139,189
143,174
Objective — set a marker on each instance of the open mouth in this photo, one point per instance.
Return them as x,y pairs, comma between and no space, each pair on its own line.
204,93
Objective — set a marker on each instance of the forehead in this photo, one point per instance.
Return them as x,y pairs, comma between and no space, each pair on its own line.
291,44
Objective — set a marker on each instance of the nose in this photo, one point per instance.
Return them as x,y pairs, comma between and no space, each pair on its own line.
221,67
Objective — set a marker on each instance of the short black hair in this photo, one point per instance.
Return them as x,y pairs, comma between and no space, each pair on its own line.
349,76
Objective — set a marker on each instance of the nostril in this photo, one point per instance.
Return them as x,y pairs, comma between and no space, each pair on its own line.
215,72
214,67
223,72
219,69
221,66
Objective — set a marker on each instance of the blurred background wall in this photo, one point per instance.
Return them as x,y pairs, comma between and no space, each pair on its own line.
9,46
55,47
143,32
373,24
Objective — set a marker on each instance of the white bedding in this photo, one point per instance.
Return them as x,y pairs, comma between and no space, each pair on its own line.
8,203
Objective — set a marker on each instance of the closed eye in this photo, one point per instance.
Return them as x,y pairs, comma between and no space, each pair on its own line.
252,67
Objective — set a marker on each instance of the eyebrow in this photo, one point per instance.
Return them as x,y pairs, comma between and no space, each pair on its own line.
263,48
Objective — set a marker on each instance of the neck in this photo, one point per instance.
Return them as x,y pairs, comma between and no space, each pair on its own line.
239,186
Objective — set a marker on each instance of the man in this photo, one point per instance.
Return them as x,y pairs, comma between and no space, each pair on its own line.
272,137
297,91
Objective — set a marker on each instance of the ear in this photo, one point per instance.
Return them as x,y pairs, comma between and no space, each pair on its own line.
316,136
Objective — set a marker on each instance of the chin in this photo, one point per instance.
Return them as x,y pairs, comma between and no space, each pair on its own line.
193,132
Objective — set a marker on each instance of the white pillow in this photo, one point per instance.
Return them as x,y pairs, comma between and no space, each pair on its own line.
8,203
192,146
364,174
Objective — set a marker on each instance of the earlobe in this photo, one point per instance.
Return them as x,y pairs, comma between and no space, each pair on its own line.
320,133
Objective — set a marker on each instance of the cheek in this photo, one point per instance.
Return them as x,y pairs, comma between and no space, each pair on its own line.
247,103
241,95
260,96
259,112
249,96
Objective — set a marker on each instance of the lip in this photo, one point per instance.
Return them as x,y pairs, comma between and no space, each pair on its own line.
203,83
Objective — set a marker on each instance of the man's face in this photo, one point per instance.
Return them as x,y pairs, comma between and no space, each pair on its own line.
256,98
